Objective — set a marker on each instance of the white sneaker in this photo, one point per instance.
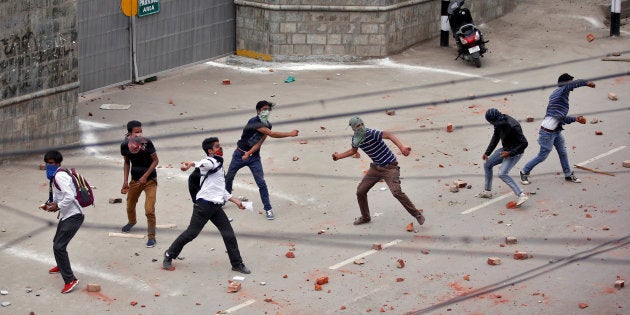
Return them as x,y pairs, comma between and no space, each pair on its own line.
521,199
270,215
484,194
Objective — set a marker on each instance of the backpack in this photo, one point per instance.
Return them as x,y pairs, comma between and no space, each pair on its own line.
193,183
85,195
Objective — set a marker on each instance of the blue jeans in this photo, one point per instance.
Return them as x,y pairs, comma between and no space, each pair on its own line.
547,141
506,165
255,166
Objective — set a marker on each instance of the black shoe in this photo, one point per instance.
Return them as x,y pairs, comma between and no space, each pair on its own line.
572,178
420,218
166,264
127,227
361,220
242,269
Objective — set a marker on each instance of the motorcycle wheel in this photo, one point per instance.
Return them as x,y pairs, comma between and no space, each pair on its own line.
477,61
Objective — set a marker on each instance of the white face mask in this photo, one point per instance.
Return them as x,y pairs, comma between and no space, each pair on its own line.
264,116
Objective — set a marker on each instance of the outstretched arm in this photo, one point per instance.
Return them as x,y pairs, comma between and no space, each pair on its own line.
405,150
350,152
255,148
277,134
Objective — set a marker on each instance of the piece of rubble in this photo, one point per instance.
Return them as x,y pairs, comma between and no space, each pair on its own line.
620,284
467,277
303,141
359,261
377,246
453,188
521,255
530,119
234,286
612,96
318,287
599,132
424,251
582,305
5,304
226,82
493,261
93,287
4,292
400,279
590,37
295,158
390,112
115,200
322,280
290,254
401,263
510,240
410,227
594,120
626,163
449,127
460,183
133,303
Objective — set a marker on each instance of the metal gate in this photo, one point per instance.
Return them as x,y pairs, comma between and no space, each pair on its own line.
116,49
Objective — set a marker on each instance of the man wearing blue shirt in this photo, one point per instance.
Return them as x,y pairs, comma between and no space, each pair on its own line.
247,152
550,134
384,166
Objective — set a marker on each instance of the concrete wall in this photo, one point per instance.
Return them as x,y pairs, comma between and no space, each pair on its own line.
38,75
343,29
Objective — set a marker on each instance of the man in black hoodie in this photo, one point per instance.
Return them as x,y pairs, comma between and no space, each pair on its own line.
509,131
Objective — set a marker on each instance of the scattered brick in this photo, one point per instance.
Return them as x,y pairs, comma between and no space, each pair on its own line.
400,279
424,251
318,287
268,300
493,261
322,280
343,307
115,200
449,127
401,263
510,240
588,215
521,255
620,284
530,119
285,276
626,163
360,261
594,121
382,310
377,246
467,277
598,132
453,188
93,287
511,205
460,183
233,287
583,305
226,82
390,112
133,303
410,227
295,158
156,294
290,255
612,96
590,37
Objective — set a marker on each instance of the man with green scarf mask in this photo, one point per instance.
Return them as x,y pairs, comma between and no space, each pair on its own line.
384,166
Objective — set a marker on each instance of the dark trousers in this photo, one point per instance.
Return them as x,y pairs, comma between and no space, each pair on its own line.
202,212
66,229
391,175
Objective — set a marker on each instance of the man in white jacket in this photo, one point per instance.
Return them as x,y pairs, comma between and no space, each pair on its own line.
62,198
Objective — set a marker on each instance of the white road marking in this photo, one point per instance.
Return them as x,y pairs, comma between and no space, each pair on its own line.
369,252
602,155
134,283
238,307
487,203
88,136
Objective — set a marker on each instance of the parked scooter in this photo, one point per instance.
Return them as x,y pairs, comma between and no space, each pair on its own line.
470,43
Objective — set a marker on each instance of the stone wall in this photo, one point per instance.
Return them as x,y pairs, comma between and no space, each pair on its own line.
38,75
343,29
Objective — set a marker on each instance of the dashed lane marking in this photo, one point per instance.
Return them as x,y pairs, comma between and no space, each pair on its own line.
369,252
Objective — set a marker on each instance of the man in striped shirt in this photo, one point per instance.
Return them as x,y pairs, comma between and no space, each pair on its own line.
384,166
550,134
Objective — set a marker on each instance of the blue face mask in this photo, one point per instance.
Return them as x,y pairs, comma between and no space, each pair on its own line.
50,170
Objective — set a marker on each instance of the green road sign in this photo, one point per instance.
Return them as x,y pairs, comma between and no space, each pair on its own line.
148,7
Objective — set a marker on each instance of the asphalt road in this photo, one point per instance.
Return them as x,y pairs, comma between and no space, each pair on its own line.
576,234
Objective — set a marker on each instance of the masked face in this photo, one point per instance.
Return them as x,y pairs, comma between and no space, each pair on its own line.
359,135
51,169
136,142
264,116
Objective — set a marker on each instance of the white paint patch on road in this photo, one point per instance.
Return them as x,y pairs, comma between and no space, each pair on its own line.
487,203
602,155
365,254
591,20
133,283
238,307
384,63
89,138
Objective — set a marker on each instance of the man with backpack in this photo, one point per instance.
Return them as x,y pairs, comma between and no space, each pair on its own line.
62,198
208,205
140,160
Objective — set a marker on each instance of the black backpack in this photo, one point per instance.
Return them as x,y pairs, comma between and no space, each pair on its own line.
195,182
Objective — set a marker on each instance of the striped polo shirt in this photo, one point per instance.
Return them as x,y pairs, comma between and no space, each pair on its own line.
376,149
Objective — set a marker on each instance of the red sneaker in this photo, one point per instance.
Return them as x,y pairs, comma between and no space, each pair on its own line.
54,269
70,286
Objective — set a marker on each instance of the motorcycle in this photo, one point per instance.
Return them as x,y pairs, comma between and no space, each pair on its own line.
470,43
